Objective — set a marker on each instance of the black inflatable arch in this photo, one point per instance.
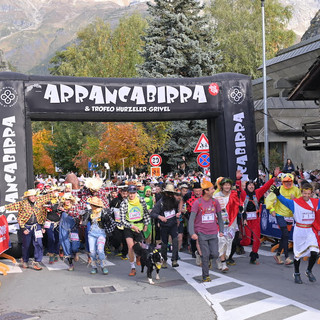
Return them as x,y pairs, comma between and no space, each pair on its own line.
225,100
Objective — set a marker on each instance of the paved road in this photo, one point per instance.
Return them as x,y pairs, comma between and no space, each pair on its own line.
259,292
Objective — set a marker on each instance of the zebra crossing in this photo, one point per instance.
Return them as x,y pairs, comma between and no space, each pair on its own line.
234,299
57,266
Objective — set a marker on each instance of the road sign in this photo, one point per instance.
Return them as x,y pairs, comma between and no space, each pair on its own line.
202,145
155,171
203,160
155,160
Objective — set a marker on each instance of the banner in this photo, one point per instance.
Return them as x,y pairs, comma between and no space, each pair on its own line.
13,161
4,234
121,99
269,225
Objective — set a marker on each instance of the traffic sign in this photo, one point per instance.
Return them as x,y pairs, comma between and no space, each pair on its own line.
203,160
155,171
155,160
202,145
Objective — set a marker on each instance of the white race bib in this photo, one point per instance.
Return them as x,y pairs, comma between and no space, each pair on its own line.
169,214
289,219
308,216
74,236
134,215
116,212
208,218
251,215
38,234
47,225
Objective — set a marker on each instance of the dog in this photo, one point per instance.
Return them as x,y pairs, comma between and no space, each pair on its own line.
150,258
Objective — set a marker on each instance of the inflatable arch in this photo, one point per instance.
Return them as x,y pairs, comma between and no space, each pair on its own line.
225,100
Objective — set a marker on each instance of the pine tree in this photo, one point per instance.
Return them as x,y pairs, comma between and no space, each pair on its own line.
179,41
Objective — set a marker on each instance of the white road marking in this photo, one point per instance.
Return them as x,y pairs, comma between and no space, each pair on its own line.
192,274
14,268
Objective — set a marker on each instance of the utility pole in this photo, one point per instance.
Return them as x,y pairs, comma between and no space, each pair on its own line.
265,105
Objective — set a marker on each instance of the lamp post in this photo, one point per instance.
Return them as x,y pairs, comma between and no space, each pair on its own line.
265,105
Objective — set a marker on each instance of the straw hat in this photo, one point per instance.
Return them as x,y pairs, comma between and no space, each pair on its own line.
93,184
68,196
29,193
95,201
169,188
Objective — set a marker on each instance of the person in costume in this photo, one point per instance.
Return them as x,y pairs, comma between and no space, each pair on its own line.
283,214
31,218
251,218
305,242
229,202
203,226
166,211
134,216
101,223
69,228
118,237
148,198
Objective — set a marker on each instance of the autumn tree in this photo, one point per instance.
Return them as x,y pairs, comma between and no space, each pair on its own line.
42,162
124,140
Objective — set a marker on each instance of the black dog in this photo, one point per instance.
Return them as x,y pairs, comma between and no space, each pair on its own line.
150,258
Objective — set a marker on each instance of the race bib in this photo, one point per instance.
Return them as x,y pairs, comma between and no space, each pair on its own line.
251,215
47,225
208,218
74,236
38,234
116,212
308,216
134,215
169,214
289,219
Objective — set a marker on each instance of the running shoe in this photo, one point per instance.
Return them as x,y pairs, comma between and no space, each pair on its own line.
36,266
288,262
231,262
198,258
132,272
175,264
310,276
206,279
105,270
297,278
278,259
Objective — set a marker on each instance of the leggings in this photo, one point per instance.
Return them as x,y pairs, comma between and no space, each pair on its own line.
312,261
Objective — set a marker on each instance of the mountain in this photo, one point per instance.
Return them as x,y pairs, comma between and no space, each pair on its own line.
31,31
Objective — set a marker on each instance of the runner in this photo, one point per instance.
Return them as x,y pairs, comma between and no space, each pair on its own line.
203,226
304,240
283,215
134,216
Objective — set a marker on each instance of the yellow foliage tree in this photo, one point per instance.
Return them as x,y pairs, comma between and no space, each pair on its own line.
42,162
125,140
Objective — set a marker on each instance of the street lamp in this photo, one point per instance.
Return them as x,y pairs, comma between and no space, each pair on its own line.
265,105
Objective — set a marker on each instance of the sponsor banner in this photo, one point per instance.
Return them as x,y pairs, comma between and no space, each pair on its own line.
239,125
4,234
13,167
269,225
123,99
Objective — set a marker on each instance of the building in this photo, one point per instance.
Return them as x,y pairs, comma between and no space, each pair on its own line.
293,101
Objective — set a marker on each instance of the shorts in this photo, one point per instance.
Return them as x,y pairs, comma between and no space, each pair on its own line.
128,233
180,227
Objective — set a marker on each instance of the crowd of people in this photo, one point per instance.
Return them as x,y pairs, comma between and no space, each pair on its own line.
211,219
